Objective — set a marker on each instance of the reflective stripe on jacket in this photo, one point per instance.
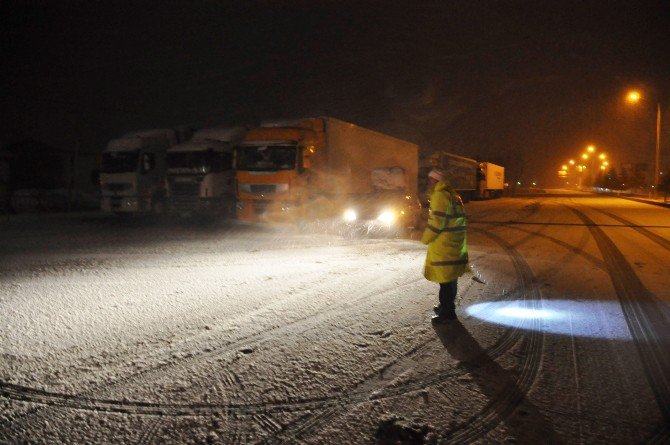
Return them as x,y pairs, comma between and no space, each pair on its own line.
445,235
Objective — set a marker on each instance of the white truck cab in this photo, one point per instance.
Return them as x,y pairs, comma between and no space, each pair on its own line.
132,174
200,173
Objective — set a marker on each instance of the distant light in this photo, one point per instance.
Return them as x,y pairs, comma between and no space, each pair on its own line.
602,156
534,184
572,162
605,163
585,156
518,182
633,96
602,167
565,167
591,148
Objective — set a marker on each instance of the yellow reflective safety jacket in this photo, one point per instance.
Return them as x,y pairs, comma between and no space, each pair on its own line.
447,257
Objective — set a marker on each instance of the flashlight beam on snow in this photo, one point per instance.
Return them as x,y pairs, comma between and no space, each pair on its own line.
592,319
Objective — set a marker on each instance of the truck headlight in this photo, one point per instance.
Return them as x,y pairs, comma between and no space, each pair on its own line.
386,217
350,215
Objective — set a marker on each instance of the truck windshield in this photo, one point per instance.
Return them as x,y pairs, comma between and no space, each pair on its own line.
120,161
266,157
200,161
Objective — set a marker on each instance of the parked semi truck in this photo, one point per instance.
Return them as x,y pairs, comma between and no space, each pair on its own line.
321,167
200,173
461,172
471,179
132,171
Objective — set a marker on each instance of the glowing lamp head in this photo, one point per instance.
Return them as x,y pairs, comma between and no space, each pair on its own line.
350,215
633,97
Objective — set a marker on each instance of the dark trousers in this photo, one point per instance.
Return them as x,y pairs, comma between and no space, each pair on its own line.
448,295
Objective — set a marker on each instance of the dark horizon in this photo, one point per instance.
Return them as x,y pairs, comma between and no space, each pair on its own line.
526,84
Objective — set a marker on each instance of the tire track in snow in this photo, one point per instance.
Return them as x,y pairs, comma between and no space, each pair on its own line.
664,243
26,394
504,403
648,327
83,401
149,434
374,387
504,343
47,398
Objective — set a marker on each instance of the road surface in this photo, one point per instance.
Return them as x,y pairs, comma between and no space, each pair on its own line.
143,331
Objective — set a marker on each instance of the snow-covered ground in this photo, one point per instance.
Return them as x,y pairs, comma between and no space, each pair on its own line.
145,331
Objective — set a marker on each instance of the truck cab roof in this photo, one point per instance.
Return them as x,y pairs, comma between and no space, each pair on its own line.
203,145
223,134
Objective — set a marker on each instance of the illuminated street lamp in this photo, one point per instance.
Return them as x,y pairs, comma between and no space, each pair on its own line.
572,162
585,156
590,148
633,97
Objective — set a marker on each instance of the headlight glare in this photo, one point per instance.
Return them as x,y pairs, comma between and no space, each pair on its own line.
350,215
386,217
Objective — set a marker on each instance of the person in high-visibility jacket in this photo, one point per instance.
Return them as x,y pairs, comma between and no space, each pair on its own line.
445,235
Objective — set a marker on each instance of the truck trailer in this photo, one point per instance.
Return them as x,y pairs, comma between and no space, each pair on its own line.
321,167
200,173
470,178
461,172
491,180
133,173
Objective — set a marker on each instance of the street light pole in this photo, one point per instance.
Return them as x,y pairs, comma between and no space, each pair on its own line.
634,97
657,178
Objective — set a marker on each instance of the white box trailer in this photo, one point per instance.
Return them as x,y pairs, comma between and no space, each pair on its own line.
491,180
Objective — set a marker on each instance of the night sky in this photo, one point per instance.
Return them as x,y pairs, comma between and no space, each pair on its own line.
524,83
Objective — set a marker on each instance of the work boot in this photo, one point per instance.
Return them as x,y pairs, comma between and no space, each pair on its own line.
440,319
444,316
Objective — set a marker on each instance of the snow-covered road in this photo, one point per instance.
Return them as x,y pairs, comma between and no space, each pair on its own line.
144,331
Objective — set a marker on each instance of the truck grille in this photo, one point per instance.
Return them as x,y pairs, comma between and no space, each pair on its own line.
184,195
263,188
